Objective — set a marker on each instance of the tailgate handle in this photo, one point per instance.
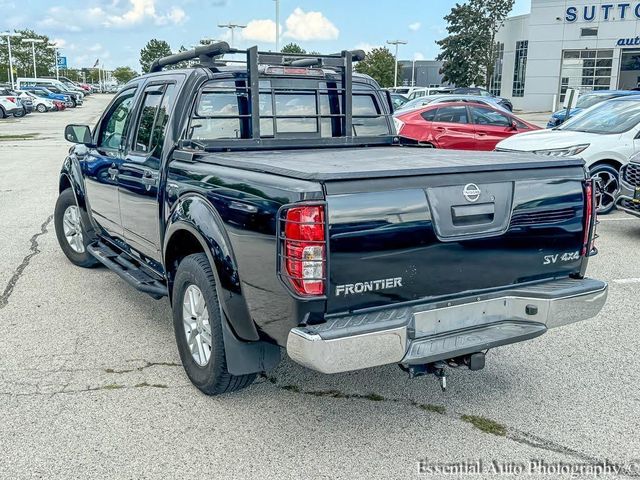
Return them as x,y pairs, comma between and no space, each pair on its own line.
462,215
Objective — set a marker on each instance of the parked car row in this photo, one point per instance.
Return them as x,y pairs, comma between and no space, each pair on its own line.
419,96
41,95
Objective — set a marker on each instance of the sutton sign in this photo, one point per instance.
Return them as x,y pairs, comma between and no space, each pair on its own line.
606,11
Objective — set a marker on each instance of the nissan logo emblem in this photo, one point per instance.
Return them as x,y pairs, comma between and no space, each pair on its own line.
471,192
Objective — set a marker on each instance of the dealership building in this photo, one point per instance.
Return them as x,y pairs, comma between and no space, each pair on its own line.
591,45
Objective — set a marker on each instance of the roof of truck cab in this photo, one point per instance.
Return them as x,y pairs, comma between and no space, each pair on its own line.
325,164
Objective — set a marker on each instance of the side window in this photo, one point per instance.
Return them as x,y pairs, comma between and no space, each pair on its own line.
160,127
150,105
486,116
452,114
429,115
154,116
114,125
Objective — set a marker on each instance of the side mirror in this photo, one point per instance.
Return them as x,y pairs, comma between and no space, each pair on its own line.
514,125
78,134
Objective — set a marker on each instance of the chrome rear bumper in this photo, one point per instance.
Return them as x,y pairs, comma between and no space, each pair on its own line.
436,331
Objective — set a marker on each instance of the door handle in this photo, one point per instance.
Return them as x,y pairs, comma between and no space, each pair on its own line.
149,178
440,129
482,134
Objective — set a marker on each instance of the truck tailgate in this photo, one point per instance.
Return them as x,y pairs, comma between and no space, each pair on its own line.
451,234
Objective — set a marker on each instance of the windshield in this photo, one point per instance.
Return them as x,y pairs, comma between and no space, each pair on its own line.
590,100
607,118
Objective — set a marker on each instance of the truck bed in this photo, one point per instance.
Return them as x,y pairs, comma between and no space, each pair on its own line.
380,162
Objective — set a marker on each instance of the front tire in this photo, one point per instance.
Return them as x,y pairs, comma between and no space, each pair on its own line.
72,236
606,188
197,322
42,108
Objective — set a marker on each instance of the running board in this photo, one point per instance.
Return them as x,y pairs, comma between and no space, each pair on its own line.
128,269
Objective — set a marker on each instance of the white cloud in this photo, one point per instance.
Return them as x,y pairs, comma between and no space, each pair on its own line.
304,26
118,14
418,56
59,42
367,47
142,10
177,15
414,27
260,31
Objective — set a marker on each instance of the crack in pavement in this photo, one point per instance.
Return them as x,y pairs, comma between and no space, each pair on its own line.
512,434
33,251
88,389
147,365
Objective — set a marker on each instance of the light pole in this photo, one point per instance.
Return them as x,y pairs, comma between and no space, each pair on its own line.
9,35
33,42
396,43
55,57
232,27
277,25
413,73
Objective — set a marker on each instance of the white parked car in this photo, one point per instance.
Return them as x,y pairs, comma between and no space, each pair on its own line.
9,104
40,104
426,91
605,136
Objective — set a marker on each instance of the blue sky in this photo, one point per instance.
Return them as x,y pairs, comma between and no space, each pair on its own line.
115,30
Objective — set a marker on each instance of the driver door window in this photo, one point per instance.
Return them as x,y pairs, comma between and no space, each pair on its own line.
114,126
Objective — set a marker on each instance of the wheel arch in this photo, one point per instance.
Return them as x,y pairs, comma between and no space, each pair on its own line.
617,164
193,225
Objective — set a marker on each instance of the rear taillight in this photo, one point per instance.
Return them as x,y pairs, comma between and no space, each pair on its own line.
12,99
303,249
590,215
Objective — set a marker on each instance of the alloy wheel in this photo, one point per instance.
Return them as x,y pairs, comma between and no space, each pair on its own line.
197,329
606,188
73,228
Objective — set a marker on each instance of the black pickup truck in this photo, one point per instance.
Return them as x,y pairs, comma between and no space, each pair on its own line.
272,202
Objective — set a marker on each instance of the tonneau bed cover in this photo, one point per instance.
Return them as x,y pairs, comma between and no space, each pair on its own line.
378,162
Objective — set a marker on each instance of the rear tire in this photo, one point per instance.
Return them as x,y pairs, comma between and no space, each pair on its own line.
21,113
3,114
42,108
198,328
71,234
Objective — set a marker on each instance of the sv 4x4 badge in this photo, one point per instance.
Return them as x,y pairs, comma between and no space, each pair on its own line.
561,257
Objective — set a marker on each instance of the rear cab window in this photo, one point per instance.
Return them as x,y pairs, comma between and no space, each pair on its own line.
288,108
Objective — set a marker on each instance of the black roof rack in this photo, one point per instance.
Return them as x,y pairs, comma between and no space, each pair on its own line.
206,54
341,63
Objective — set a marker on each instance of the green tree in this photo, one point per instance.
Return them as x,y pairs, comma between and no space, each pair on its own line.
468,51
379,64
153,50
124,74
292,48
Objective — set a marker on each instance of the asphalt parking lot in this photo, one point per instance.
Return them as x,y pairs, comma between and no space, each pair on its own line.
91,385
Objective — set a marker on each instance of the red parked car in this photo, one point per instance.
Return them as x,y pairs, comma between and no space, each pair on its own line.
59,105
460,126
